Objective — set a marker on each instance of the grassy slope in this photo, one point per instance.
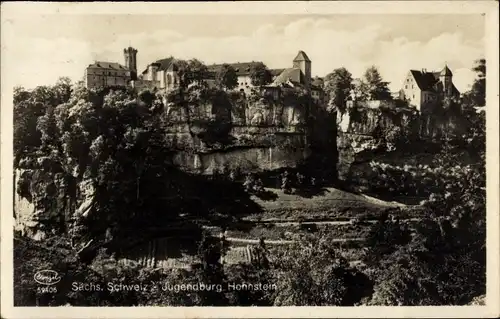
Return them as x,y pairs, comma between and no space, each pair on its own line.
330,204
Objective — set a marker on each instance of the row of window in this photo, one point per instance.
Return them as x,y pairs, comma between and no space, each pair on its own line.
406,86
98,78
109,73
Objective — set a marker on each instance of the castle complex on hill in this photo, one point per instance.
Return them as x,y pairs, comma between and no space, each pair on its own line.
162,75
421,89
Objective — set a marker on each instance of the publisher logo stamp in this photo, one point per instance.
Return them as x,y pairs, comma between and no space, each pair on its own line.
47,277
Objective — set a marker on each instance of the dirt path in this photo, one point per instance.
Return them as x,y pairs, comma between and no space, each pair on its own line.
286,222
284,242
281,222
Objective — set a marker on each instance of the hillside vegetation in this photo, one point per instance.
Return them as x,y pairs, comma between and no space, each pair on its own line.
95,167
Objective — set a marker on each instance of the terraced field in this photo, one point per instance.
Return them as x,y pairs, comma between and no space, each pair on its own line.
286,220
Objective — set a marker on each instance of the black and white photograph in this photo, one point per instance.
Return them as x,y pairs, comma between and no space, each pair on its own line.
248,159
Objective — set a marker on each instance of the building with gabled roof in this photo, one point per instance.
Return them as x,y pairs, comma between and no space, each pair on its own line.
423,89
112,74
106,74
299,73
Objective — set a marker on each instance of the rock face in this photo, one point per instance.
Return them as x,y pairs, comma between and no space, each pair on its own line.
364,132
246,148
361,133
238,134
41,197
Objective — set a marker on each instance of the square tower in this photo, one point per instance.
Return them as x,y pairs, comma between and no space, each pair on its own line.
303,63
130,55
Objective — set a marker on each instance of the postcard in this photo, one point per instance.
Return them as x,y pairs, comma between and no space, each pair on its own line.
250,159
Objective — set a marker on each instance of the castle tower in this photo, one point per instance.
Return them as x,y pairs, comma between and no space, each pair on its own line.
130,55
445,78
302,62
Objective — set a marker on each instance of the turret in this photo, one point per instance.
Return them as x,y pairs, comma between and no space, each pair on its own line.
130,55
302,62
445,78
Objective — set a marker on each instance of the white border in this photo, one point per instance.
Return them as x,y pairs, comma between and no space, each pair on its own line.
490,8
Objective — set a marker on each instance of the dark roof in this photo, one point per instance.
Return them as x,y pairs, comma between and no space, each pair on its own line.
446,71
107,65
429,81
425,80
293,74
241,68
162,64
302,56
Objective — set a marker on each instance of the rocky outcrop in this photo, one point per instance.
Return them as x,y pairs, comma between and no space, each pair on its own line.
44,194
362,133
245,134
365,133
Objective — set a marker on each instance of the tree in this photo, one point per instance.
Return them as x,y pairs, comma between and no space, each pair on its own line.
47,126
476,95
338,85
385,237
360,90
62,90
191,71
260,74
26,113
226,77
397,137
373,87
211,272
313,273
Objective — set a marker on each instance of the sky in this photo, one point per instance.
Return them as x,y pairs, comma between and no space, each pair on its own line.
49,46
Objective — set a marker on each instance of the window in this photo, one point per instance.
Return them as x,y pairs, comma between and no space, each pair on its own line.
412,86
406,86
413,95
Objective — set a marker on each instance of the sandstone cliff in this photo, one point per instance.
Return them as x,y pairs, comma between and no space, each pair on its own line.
366,133
238,133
